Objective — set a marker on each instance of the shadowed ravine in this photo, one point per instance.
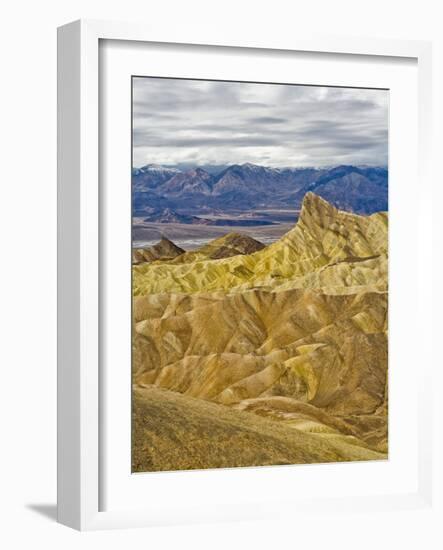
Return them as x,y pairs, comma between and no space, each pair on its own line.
248,355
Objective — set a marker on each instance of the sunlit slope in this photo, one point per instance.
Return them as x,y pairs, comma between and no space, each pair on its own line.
327,248
175,432
295,333
329,351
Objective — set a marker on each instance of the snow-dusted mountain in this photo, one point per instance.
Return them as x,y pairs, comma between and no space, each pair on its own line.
151,176
361,189
192,182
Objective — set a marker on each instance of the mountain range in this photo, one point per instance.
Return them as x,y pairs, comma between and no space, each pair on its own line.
358,189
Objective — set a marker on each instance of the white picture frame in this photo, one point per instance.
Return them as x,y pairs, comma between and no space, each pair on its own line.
80,260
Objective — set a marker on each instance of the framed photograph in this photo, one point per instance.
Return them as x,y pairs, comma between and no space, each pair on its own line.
242,276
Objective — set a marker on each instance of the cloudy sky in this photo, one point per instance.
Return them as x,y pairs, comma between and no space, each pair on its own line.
190,123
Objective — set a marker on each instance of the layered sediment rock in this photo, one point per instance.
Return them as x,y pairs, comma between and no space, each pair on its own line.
295,332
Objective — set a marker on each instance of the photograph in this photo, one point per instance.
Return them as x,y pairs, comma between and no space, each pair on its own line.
259,274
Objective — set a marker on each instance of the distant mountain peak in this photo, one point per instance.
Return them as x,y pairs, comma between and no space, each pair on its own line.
193,181
199,170
250,165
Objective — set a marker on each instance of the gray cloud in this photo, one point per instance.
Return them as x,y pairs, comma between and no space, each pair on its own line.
266,120
180,122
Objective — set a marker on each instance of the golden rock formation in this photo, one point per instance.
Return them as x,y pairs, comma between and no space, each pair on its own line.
293,335
327,248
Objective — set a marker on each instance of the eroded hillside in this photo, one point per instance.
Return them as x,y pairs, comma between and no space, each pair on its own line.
327,248
294,334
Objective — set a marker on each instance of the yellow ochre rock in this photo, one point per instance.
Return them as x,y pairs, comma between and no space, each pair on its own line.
292,335
326,248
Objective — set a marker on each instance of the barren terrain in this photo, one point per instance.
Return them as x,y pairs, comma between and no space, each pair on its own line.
246,355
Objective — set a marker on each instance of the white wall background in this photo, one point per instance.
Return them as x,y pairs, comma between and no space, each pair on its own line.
28,266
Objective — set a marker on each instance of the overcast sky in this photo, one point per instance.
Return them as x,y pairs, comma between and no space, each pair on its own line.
188,122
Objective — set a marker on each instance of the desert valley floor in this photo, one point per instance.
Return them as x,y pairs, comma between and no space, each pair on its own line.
246,355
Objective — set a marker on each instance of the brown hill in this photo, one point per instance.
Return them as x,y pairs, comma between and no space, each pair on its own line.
232,244
163,250
174,432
